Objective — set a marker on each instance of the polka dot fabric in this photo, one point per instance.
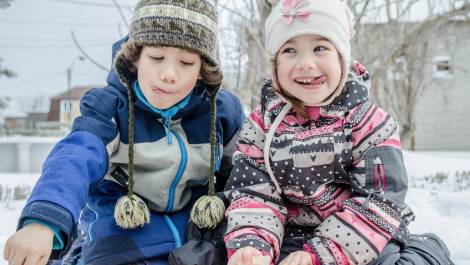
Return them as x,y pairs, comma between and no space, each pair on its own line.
339,173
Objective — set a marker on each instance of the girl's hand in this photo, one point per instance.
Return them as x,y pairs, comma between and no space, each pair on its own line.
244,256
297,258
31,245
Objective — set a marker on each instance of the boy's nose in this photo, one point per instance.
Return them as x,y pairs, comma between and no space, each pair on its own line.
168,75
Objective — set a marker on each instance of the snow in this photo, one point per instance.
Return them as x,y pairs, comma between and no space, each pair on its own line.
440,208
28,139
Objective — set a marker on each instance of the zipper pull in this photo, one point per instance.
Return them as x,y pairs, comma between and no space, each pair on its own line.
168,126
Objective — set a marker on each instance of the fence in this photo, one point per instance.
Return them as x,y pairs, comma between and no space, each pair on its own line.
24,154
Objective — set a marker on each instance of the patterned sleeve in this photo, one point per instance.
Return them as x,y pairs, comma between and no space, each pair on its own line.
373,214
256,215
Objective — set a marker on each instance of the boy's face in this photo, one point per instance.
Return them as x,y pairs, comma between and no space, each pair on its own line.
309,68
167,75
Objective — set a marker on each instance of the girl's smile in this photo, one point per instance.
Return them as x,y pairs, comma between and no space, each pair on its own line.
311,82
309,68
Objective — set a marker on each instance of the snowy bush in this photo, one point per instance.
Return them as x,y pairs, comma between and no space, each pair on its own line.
458,181
19,192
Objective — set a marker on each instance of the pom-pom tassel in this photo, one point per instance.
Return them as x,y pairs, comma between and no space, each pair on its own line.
131,211
207,212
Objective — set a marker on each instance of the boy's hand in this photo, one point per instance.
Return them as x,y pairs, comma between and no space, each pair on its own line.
297,258
244,256
31,245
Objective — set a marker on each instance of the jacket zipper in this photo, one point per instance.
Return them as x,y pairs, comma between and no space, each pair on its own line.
379,176
174,231
379,181
171,194
179,174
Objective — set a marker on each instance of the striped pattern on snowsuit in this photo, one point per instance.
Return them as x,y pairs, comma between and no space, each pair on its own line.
340,172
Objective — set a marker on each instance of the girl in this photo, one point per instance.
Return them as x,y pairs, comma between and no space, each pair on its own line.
318,173
137,157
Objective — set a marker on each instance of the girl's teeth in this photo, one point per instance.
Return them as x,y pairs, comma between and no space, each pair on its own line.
304,81
309,81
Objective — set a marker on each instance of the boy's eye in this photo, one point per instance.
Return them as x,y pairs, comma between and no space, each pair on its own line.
320,49
159,58
288,50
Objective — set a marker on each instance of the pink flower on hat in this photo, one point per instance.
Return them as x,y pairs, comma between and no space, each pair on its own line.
291,9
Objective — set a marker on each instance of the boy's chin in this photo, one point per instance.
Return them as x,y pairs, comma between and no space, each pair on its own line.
163,105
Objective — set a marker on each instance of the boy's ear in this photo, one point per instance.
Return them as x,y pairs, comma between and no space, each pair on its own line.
199,77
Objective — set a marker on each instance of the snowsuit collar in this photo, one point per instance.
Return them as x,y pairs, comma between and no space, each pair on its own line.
349,98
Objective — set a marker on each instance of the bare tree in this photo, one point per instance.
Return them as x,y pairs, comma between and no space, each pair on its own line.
242,42
5,71
5,3
119,8
34,103
396,51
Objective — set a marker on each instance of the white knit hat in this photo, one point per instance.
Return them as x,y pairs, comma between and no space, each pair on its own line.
331,19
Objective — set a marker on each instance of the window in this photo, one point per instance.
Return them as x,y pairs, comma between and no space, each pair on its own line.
397,71
65,106
442,67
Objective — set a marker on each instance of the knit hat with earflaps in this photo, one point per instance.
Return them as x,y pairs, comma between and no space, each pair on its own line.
189,25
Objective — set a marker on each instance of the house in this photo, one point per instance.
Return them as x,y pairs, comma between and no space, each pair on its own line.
35,118
441,61
442,113
16,121
65,107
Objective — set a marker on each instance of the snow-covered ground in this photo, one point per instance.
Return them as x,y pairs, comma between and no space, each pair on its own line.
441,204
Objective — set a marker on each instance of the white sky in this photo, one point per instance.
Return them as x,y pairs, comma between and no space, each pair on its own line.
36,43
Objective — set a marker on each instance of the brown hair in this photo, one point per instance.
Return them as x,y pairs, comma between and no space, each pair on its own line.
210,74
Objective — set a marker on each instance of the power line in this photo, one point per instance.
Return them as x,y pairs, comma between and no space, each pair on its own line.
44,77
56,23
87,3
52,39
48,46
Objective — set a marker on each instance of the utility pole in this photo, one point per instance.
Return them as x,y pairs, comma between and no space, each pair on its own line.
68,103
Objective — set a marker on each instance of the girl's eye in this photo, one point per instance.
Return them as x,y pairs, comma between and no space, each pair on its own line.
187,63
288,50
320,49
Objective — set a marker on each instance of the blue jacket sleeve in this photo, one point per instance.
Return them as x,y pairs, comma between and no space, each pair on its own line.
75,162
231,117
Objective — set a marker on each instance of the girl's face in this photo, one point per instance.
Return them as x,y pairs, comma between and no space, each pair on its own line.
308,68
166,75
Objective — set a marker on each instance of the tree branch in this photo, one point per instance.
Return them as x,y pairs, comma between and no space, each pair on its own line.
85,54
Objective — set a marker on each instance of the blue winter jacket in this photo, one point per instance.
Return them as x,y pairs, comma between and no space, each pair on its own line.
85,173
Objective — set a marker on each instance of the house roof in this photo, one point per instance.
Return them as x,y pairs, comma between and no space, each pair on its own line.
74,93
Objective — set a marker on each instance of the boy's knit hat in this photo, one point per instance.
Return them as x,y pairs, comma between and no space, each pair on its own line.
186,24
331,19
189,25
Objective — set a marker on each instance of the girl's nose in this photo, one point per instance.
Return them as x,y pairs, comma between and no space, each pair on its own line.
306,63
168,75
